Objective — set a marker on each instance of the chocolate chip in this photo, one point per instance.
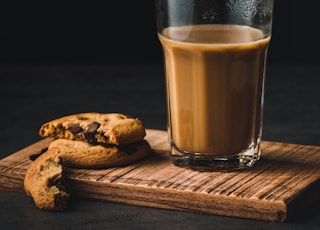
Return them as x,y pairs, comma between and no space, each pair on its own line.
93,127
33,157
90,137
75,129
90,133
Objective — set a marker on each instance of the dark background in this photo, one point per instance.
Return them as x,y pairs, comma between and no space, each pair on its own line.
115,66
125,32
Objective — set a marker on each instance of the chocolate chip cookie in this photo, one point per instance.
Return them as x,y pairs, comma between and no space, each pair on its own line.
44,179
95,128
85,140
80,154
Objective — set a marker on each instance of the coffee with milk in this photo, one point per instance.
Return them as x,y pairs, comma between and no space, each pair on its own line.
214,77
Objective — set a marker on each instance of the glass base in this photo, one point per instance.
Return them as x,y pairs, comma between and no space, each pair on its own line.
205,162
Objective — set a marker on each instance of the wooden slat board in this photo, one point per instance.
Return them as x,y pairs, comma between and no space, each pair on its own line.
263,192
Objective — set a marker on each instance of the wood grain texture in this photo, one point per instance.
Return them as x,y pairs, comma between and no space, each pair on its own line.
264,192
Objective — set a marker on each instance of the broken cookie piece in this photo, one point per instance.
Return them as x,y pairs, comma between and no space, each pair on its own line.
44,182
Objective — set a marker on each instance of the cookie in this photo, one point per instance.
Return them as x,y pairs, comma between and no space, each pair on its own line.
44,179
110,128
80,154
44,182
86,140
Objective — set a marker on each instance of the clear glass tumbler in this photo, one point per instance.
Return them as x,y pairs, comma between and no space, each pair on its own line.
215,63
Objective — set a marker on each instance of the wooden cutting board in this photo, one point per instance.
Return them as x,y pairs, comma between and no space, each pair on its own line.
285,174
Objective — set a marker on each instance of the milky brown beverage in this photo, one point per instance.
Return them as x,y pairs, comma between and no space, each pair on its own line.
214,77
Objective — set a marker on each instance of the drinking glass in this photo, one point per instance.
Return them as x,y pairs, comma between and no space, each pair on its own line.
215,65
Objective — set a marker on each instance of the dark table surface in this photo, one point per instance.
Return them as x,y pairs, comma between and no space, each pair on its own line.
33,94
